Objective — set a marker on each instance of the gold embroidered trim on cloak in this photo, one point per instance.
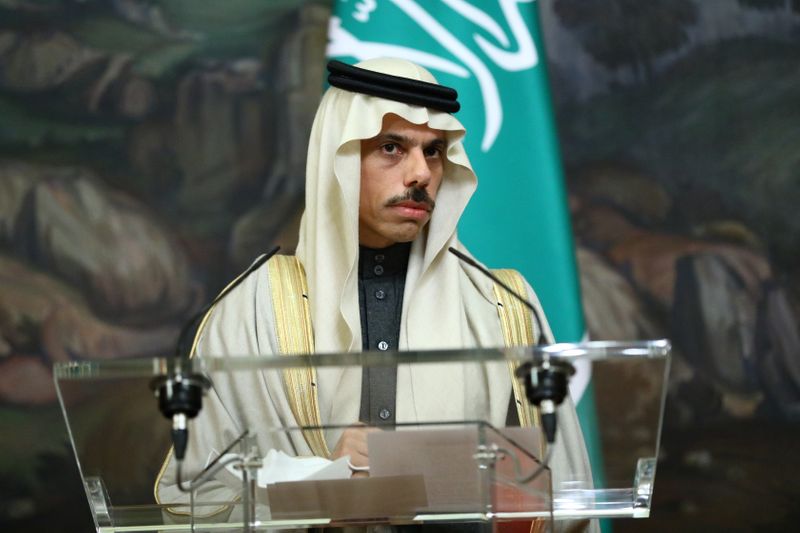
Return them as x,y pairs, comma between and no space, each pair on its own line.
164,465
518,330
296,336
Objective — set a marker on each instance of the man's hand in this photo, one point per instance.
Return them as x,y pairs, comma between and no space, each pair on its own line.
353,442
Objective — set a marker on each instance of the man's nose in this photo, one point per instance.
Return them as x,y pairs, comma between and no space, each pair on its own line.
419,171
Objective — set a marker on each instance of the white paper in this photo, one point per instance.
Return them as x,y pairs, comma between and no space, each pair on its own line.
279,467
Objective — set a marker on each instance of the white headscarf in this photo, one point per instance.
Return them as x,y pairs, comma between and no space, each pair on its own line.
434,313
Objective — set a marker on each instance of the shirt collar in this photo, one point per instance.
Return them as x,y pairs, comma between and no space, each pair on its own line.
383,262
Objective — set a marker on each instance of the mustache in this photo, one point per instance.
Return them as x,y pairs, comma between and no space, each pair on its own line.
413,194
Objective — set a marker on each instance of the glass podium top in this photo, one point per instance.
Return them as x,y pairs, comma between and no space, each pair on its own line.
567,352
121,441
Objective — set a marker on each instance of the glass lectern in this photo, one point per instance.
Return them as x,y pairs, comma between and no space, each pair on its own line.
437,471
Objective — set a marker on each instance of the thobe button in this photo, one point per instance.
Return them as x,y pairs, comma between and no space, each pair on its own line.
378,270
385,414
379,258
383,346
379,294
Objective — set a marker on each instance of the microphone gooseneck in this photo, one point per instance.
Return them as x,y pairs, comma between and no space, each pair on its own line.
471,262
180,391
546,382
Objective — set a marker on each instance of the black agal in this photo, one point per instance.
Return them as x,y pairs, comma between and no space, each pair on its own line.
395,88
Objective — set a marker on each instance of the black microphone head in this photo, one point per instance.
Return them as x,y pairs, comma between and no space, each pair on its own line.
551,383
180,394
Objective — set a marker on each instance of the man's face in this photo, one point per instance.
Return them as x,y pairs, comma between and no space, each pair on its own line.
401,170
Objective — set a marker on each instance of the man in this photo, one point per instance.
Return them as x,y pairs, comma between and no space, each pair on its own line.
387,180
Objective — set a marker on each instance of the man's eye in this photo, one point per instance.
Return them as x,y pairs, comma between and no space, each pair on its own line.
433,151
390,148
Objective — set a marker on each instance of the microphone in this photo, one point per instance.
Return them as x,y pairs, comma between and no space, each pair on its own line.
546,381
180,391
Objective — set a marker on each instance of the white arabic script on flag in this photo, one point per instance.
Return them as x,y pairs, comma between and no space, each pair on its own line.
521,56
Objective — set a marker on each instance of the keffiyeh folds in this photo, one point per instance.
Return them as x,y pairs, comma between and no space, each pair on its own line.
439,292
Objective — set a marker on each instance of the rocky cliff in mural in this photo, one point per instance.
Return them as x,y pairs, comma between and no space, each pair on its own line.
148,152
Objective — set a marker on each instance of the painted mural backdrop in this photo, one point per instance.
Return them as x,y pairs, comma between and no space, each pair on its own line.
679,130
149,149
679,124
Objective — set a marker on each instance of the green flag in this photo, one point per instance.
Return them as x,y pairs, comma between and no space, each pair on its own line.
491,52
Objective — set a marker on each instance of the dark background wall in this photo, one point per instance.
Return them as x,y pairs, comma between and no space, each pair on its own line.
679,132
150,149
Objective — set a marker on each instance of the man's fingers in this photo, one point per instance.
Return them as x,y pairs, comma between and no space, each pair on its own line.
353,442
358,458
